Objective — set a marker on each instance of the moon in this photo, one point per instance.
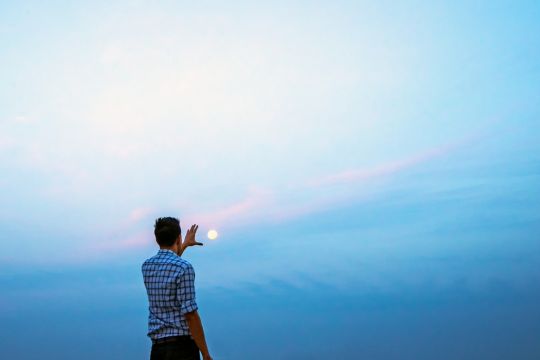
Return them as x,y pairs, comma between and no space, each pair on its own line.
212,234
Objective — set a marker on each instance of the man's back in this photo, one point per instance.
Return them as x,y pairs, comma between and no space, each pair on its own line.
170,285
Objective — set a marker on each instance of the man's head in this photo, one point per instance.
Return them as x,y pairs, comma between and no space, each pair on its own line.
167,230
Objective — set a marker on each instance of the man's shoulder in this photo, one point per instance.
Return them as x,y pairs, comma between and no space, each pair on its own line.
167,259
184,264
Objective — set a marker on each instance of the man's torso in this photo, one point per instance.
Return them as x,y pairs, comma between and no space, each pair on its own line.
169,282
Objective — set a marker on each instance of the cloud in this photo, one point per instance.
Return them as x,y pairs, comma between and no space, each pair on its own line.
244,211
138,214
136,241
262,205
127,235
385,169
321,198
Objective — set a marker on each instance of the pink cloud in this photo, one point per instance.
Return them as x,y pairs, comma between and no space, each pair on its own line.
385,169
139,214
242,211
261,205
134,239
139,240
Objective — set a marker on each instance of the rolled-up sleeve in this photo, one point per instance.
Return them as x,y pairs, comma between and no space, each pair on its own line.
186,291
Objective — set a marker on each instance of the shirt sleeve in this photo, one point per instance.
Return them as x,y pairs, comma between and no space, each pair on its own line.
186,291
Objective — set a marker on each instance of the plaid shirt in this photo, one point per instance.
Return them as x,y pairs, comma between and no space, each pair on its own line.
170,285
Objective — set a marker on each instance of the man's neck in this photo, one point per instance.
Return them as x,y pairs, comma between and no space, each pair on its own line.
174,249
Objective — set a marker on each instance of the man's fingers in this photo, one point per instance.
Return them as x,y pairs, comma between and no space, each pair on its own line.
190,236
198,243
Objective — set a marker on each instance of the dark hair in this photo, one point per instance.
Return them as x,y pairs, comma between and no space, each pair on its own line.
167,230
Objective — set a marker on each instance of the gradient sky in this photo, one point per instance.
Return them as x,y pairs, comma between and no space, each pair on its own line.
373,169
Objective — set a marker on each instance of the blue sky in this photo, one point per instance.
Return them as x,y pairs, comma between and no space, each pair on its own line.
372,169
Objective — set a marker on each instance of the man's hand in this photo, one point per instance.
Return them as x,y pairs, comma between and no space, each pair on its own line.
189,240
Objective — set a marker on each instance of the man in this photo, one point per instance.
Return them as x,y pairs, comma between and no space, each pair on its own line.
174,325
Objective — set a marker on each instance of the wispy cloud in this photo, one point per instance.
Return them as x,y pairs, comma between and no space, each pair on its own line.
127,234
139,213
243,211
137,240
261,205
386,169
